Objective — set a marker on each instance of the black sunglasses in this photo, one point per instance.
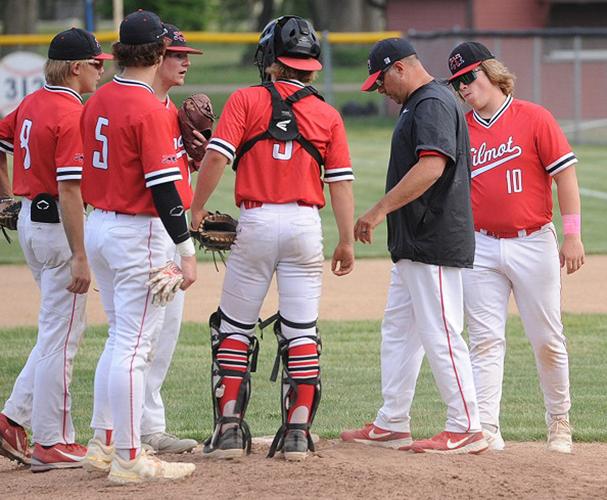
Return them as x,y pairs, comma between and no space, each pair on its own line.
466,79
380,79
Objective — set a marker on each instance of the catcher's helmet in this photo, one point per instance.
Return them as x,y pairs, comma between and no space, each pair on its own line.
290,40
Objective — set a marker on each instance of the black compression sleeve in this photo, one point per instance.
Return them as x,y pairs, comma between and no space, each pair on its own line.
170,209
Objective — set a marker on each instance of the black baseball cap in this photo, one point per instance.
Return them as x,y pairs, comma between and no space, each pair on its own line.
466,57
75,44
178,41
383,54
141,27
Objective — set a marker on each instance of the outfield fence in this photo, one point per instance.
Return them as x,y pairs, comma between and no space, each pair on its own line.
562,69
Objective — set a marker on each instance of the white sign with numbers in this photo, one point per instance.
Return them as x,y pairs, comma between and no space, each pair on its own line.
21,73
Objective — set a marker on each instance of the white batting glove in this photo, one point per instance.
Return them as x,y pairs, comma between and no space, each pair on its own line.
164,283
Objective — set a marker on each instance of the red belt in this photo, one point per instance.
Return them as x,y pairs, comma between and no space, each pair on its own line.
248,204
508,234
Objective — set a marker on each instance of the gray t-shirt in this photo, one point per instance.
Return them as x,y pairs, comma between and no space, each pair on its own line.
437,228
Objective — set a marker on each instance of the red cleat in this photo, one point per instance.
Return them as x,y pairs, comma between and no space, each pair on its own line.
13,441
58,456
452,443
372,435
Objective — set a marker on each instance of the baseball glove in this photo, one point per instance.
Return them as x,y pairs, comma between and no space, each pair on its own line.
217,232
164,283
196,113
9,213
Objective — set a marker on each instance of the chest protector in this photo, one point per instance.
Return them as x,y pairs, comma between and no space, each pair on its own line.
283,126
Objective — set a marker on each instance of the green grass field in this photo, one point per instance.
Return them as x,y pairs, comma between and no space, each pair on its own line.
370,145
350,367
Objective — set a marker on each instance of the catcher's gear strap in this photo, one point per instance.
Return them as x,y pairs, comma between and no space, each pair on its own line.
283,125
170,210
290,384
218,373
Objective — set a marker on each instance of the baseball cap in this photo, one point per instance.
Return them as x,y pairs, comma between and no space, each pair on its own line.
75,44
178,41
141,27
383,54
466,57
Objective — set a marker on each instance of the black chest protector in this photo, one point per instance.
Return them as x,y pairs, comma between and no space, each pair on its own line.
283,126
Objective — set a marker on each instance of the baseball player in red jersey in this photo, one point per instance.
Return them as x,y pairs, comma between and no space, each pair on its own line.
133,180
171,73
44,135
517,150
279,189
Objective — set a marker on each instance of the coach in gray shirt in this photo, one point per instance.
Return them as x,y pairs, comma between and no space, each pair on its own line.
430,238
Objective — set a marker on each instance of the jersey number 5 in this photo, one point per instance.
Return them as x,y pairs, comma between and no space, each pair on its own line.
24,139
514,180
100,157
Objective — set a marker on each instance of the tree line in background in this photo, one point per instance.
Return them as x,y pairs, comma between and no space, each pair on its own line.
21,16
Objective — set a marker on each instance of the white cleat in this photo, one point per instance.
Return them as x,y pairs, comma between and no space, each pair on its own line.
559,435
98,456
495,440
147,468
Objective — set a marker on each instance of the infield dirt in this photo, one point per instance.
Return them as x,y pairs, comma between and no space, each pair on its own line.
337,470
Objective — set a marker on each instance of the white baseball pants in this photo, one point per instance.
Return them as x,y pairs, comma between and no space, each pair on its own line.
281,238
121,250
424,314
153,419
41,396
529,267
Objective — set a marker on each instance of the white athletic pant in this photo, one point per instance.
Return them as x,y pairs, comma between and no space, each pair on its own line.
281,238
41,396
121,250
529,267
424,314
153,418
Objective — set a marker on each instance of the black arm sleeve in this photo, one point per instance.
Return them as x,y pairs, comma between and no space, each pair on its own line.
170,209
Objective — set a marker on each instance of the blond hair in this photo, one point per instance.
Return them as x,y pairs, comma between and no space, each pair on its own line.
57,72
499,75
280,71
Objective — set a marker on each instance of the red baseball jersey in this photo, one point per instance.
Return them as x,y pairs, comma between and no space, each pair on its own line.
515,153
277,171
128,147
43,133
184,188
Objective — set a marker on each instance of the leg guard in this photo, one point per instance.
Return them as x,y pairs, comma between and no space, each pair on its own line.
296,373
233,365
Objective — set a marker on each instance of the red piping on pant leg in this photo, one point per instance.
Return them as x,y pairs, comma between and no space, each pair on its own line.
442,304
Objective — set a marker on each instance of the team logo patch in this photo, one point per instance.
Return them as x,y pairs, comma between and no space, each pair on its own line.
178,36
369,64
456,61
168,159
79,157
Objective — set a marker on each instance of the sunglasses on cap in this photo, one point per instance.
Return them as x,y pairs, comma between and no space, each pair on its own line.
466,79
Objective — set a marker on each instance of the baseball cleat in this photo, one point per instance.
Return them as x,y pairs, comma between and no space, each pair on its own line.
372,435
494,440
98,456
162,442
452,443
295,446
147,468
13,441
58,456
230,444
559,435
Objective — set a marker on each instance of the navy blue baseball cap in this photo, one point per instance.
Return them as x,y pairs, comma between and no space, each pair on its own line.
141,27
383,54
466,57
178,41
75,44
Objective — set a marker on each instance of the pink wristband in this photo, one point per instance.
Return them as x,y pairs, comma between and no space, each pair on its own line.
572,224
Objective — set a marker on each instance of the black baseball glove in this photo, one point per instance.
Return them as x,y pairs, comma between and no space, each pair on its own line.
9,213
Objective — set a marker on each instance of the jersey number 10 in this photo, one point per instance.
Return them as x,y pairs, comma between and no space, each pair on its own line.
514,180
